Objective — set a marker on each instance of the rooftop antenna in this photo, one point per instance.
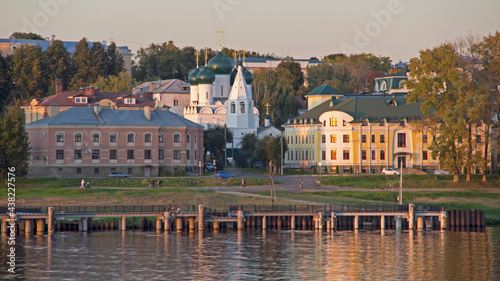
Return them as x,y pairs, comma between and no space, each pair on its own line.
220,37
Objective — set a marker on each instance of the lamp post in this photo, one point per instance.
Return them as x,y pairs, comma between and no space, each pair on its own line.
319,164
281,160
199,165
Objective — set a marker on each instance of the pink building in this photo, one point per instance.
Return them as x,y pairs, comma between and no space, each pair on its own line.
93,142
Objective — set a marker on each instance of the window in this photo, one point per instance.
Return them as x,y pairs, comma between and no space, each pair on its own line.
78,154
129,101
307,139
195,154
324,123
176,102
195,139
78,137
147,138
188,154
307,154
344,123
242,107
177,154
401,139
363,138
96,171
323,139
382,138
80,100
333,154
112,154
333,122
160,154
129,171
383,85
373,155
130,138
130,154
333,138
95,137
177,138
425,139
346,138
147,154
323,155
112,138
364,122
95,154
188,137
478,139
382,154
425,155
60,137
160,138
373,138
346,154
233,108
59,154
363,154
382,122
402,123
78,171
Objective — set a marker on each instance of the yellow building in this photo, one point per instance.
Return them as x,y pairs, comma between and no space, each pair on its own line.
364,135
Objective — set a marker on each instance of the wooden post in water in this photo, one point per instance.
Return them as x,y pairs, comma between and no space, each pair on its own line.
166,220
333,221
240,220
411,216
179,224
124,223
321,218
442,219
201,211
292,222
4,226
356,222
28,227
264,223
382,222
50,221
191,224
420,223
399,223
216,225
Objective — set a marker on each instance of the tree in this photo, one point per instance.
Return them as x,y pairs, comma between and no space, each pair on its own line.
123,82
291,73
27,74
336,75
14,145
5,82
212,143
25,35
114,61
269,149
264,88
99,62
248,144
82,61
57,64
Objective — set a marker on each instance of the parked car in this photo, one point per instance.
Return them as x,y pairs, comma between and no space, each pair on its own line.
390,171
223,175
209,166
257,164
441,172
117,175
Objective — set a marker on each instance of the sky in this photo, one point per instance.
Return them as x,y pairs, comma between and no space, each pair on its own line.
394,28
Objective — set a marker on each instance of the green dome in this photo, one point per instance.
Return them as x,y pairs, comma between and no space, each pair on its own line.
220,64
267,117
248,76
192,76
205,76
232,76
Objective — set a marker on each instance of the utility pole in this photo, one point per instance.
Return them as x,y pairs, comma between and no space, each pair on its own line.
281,160
401,186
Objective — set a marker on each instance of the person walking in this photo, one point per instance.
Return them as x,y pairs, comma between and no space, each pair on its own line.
242,182
301,186
83,183
158,183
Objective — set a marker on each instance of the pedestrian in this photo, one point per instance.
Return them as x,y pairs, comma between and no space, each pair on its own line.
83,183
242,182
179,211
159,183
301,186
152,184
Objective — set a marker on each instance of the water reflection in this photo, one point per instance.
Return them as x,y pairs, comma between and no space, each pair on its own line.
242,255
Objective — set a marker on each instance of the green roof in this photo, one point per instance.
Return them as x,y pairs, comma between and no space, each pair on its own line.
374,109
323,90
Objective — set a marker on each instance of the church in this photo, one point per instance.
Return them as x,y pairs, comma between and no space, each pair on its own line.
221,94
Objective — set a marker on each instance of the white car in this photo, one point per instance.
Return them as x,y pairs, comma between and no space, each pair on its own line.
441,172
390,171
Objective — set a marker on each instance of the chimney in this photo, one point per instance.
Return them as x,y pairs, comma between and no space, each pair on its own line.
97,108
90,91
152,86
59,86
147,112
54,110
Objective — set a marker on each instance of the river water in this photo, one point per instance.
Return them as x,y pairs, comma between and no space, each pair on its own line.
257,255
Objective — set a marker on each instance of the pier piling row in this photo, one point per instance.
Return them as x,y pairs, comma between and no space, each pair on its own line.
403,217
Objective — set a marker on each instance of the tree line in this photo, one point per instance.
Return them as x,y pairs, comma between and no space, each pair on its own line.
457,84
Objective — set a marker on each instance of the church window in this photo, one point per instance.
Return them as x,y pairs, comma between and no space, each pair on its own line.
207,95
221,90
242,107
233,108
250,108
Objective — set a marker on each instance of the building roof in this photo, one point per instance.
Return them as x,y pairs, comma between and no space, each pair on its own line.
374,109
108,117
169,86
324,90
64,99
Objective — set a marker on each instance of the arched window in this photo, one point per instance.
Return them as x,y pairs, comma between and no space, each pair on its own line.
233,108
383,85
187,138
242,107
147,137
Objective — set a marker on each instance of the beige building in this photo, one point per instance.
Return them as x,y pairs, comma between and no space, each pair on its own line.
172,93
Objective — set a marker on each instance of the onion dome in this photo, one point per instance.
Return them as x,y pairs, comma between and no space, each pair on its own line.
205,76
232,76
248,76
220,64
192,76
267,117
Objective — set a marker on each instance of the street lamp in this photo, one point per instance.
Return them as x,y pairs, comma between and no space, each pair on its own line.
319,164
281,160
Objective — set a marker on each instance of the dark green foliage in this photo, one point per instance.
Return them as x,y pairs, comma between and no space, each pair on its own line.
14,146
25,35
57,64
248,144
26,71
213,142
5,82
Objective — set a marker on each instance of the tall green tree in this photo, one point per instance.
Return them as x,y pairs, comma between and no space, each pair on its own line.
248,144
123,82
114,61
25,35
336,75
57,64
269,150
264,89
14,145
99,62
212,143
5,82
291,73
82,61
27,74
